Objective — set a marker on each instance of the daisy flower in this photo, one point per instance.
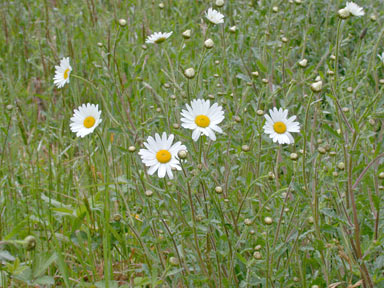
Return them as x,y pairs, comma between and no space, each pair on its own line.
279,126
62,73
215,17
202,118
161,155
354,9
85,119
158,37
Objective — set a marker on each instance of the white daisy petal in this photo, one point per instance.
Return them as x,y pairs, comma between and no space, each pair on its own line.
354,9
158,37
202,118
214,16
85,119
279,127
160,155
62,73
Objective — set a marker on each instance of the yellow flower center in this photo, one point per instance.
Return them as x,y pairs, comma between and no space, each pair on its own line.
163,156
279,127
89,122
66,74
202,121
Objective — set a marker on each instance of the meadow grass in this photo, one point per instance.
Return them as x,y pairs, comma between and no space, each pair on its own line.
244,211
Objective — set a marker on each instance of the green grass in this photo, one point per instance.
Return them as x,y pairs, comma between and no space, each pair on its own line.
76,196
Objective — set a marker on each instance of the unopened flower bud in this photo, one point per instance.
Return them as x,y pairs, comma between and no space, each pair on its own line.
219,3
321,150
186,34
30,242
209,43
122,22
344,13
131,148
247,221
245,148
294,156
148,193
260,112
233,29
268,220
189,73
317,86
255,74
257,255
303,63
174,261
381,175
218,189
182,154
341,165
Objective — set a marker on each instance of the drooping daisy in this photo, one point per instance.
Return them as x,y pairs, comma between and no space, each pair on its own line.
354,9
158,37
202,118
381,57
62,73
279,126
85,119
215,17
161,155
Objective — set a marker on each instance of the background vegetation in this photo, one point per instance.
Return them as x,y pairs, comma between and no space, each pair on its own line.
207,227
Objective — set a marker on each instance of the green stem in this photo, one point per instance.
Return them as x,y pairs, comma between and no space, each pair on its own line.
106,238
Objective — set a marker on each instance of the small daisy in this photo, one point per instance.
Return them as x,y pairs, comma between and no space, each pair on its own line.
354,9
278,126
85,119
62,73
381,57
158,37
202,118
161,155
215,17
